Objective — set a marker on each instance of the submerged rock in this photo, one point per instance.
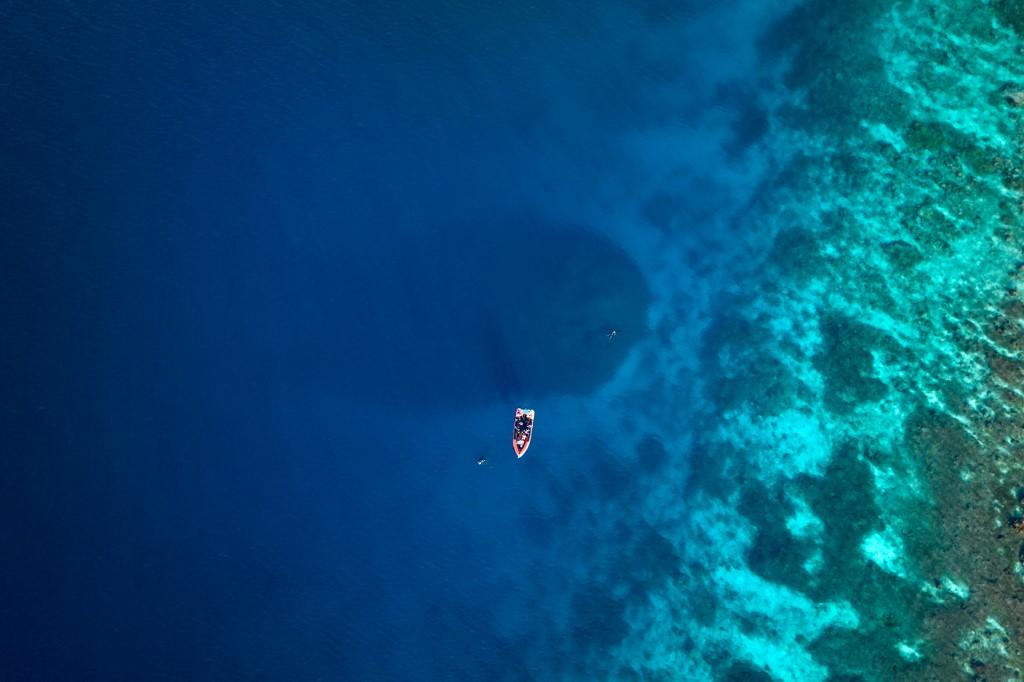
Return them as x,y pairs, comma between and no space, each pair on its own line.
1016,522
903,255
1015,98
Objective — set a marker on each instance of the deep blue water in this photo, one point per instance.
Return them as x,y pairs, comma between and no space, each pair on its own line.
275,275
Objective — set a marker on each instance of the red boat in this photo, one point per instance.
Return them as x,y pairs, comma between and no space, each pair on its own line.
522,431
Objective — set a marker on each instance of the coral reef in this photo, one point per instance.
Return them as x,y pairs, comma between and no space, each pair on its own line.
852,504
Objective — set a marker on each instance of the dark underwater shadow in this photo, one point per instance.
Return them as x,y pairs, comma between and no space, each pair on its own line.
466,313
499,360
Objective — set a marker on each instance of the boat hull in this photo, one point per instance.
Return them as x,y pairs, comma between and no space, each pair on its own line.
522,431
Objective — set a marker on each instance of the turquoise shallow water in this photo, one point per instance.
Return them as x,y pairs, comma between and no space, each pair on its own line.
851,491
848,505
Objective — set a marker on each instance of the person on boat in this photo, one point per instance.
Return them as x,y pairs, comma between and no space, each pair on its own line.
522,431
523,426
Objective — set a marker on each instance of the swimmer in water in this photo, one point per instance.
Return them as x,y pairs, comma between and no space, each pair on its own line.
612,334
481,461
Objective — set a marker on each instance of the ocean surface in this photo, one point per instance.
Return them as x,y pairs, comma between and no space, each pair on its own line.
275,276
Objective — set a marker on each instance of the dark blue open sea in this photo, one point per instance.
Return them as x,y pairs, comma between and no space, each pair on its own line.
275,275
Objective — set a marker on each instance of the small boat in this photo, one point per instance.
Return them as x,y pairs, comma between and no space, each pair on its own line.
522,431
